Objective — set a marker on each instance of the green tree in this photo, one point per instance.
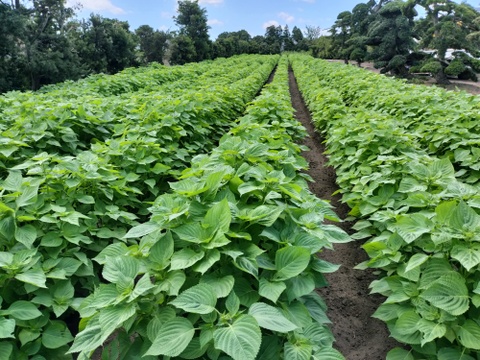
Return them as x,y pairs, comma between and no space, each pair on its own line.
12,59
274,39
104,45
341,33
183,50
232,43
152,44
448,25
391,35
192,21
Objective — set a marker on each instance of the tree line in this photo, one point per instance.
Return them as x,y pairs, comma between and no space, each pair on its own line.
42,43
399,41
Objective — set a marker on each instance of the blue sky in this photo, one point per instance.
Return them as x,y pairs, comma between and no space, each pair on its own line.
225,15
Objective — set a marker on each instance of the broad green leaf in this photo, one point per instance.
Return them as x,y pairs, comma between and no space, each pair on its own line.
410,184
464,217
323,266
318,334
113,316
467,254
89,339
142,230
7,327
270,349
407,323
23,310
245,292
400,354
271,290
327,353
431,330
121,269
172,283
27,196
211,257
6,350
415,261
452,354
56,335
13,182
298,351
298,313
219,216
269,317
301,285
194,350
448,293
26,235
185,258
199,299
162,251
222,286
240,340
233,303
291,261
172,338
34,276
410,227
469,335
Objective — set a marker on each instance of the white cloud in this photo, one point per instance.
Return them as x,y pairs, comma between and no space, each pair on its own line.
210,2
214,22
166,15
285,16
97,5
270,23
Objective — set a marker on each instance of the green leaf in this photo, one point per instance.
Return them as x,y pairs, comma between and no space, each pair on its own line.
301,285
298,351
34,276
468,255
218,217
469,335
291,261
399,354
26,235
271,290
162,251
269,317
172,283
56,335
23,310
6,350
142,230
185,258
240,340
7,327
211,257
172,338
233,303
222,286
410,227
85,199
112,317
28,195
327,354
431,330
448,293
452,354
122,269
415,261
199,299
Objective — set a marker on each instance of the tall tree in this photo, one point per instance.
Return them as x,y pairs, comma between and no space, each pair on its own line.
448,25
273,38
192,21
341,33
152,44
391,35
105,45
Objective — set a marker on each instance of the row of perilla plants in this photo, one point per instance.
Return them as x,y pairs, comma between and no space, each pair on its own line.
418,111
421,220
226,266
59,211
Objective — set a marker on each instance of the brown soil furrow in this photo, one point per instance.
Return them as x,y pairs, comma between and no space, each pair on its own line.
358,335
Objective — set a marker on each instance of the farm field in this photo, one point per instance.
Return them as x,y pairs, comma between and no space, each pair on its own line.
170,213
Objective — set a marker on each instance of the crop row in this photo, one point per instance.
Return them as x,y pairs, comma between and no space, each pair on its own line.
418,111
226,266
59,211
421,221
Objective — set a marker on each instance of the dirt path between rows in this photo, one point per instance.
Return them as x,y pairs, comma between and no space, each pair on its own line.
358,335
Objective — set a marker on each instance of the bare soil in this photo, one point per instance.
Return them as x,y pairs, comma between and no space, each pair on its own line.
358,335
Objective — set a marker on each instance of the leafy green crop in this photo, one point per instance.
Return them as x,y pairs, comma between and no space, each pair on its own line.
421,220
226,265
61,204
